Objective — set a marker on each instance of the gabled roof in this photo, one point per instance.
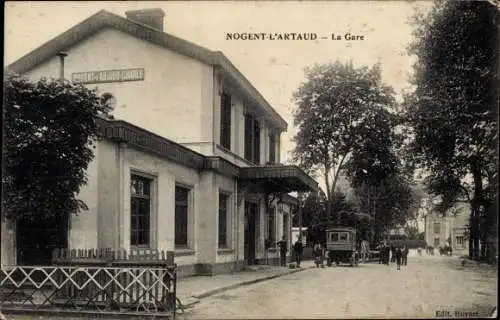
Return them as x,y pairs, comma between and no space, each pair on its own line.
104,19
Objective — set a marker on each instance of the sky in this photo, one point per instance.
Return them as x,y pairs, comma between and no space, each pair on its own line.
275,68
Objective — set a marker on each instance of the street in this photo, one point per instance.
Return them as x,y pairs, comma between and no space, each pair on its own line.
427,287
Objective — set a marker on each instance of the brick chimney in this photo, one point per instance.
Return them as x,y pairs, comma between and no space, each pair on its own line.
151,17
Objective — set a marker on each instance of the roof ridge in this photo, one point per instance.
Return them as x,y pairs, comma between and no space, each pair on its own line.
104,18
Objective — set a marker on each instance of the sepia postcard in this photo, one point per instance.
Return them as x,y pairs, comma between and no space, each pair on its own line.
250,160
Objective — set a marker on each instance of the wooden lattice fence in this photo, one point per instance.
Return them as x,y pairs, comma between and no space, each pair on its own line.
99,279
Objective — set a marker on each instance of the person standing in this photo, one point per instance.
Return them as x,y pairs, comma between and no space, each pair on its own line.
397,257
318,253
364,251
382,248
297,249
404,255
387,254
283,250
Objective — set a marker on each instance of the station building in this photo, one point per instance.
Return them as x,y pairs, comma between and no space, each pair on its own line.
190,161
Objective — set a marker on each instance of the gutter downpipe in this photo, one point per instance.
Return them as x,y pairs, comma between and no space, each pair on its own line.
237,229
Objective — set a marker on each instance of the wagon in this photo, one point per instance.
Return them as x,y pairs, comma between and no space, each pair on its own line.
341,246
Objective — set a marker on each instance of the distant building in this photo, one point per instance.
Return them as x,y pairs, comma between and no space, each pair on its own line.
397,233
448,230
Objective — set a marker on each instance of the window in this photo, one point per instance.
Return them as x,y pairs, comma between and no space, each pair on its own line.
181,216
252,139
460,241
140,210
436,242
334,237
343,236
437,228
271,226
225,121
272,148
223,207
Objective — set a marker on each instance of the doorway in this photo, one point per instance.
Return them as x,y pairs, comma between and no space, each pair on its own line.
251,221
37,239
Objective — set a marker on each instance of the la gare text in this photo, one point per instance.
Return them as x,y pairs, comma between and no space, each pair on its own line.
292,36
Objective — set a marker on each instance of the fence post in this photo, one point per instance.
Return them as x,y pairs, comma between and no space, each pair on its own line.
170,258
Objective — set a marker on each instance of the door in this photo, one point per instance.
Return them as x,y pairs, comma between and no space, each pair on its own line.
251,214
37,239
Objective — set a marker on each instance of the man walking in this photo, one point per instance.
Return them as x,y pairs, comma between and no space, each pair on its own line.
297,249
283,249
397,256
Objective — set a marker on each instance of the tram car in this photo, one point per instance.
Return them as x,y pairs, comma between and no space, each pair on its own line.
341,246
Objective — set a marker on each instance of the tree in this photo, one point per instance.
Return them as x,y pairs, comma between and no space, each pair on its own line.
389,202
317,221
332,105
382,181
313,211
50,133
453,109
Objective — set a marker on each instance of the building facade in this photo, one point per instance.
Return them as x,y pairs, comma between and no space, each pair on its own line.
190,161
448,230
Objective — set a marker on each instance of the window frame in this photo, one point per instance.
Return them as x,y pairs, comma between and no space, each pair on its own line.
438,229
225,235
272,148
252,146
135,230
334,235
343,236
225,121
187,205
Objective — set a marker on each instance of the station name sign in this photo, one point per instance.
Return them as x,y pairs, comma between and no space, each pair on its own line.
108,76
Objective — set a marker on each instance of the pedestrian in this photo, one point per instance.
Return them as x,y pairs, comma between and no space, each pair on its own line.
393,256
404,255
387,254
380,249
297,249
364,250
397,256
318,254
283,250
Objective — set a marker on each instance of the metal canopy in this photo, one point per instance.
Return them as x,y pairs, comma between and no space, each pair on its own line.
279,178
